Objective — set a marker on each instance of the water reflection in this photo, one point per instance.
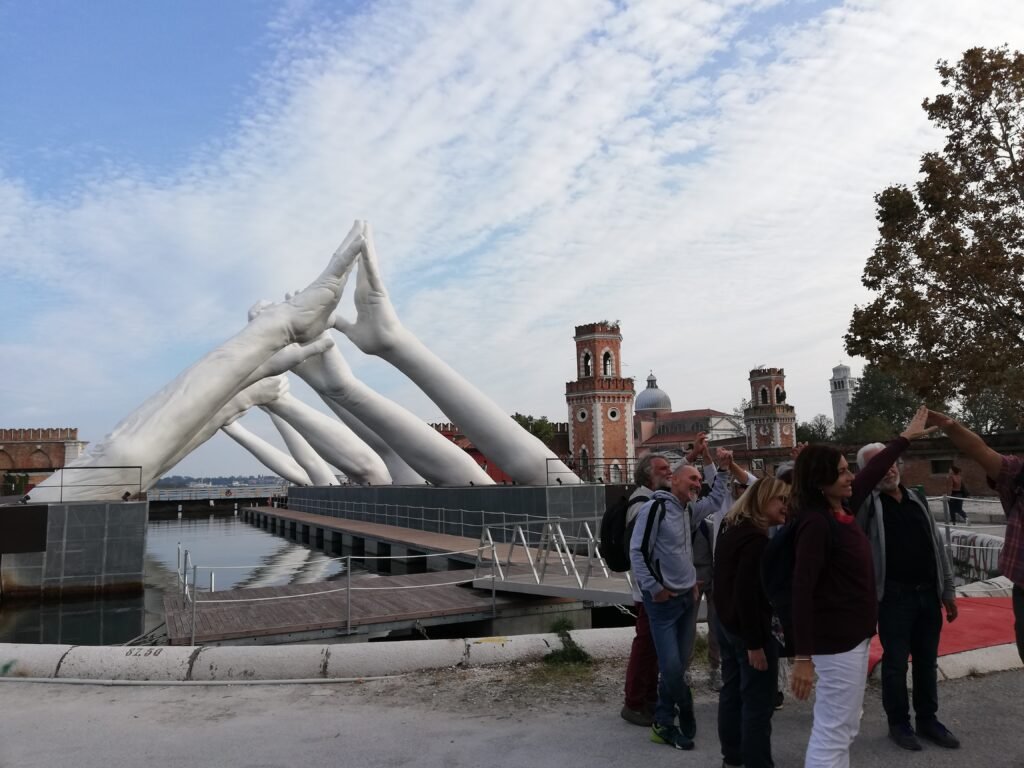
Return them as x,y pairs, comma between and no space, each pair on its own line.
244,556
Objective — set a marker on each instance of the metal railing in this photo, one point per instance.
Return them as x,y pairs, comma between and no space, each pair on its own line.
578,551
190,590
466,523
203,493
64,472
974,554
593,469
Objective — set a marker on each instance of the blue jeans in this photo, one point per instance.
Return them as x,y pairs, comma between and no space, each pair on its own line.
746,703
673,629
909,623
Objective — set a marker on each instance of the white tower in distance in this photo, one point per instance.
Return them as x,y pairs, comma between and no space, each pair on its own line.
843,387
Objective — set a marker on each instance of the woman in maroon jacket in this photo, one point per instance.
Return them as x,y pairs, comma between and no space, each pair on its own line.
749,651
835,606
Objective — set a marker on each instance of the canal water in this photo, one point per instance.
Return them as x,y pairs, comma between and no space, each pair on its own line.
244,556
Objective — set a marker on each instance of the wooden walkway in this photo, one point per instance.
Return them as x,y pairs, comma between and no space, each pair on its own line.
427,541
322,609
278,614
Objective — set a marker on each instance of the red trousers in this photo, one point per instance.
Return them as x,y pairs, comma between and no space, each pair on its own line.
642,670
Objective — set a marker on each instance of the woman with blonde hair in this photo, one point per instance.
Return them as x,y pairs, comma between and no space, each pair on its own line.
749,650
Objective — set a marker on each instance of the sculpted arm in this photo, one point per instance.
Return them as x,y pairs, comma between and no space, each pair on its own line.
277,461
421,447
332,440
158,430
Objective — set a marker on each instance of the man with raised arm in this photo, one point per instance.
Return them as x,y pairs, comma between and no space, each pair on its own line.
661,556
1006,474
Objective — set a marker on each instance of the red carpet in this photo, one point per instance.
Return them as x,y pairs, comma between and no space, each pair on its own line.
982,622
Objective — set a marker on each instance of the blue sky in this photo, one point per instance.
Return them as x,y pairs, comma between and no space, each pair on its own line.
701,171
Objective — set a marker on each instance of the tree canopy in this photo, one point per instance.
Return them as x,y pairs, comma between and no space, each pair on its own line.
947,271
817,430
538,427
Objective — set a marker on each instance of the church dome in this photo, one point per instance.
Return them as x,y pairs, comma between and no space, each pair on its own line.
652,398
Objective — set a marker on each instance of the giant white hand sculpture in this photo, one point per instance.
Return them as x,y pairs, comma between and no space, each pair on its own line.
378,331
130,458
424,449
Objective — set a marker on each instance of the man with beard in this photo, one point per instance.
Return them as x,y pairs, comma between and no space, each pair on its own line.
914,581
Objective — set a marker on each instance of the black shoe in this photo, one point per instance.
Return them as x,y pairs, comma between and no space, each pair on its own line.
636,716
904,737
780,700
936,732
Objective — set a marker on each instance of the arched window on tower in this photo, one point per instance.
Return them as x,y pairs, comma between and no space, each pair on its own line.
587,367
779,398
606,364
764,395
584,464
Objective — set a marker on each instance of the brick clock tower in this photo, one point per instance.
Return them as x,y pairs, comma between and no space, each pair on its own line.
769,421
600,405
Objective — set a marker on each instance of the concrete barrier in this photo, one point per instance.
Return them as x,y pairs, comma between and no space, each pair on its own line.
239,664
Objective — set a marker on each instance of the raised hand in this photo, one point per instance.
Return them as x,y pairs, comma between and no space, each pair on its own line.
917,428
723,458
376,329
940,420
309,313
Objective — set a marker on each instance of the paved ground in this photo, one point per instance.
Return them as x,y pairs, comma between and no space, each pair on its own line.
510,716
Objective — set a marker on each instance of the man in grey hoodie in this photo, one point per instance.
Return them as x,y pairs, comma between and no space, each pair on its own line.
661,556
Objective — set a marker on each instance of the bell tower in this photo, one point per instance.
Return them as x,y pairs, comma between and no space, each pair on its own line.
600,404
770,421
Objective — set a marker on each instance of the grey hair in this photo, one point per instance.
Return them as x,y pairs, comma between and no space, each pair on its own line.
866,449
642,471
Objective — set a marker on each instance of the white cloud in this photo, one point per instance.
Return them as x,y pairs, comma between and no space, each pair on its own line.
528,166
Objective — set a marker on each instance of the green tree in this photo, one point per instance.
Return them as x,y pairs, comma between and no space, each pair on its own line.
540,428
948,313
881,408
989,412
817,430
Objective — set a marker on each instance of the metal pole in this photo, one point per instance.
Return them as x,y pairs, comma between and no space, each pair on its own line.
494,587
184,574
348,593
212,582
195,597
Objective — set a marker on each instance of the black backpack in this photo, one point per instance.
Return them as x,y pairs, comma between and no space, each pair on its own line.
615,532
777,563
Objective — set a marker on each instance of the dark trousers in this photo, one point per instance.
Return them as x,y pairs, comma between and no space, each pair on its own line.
909,624
642,669
1018,617
956,508
746,703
